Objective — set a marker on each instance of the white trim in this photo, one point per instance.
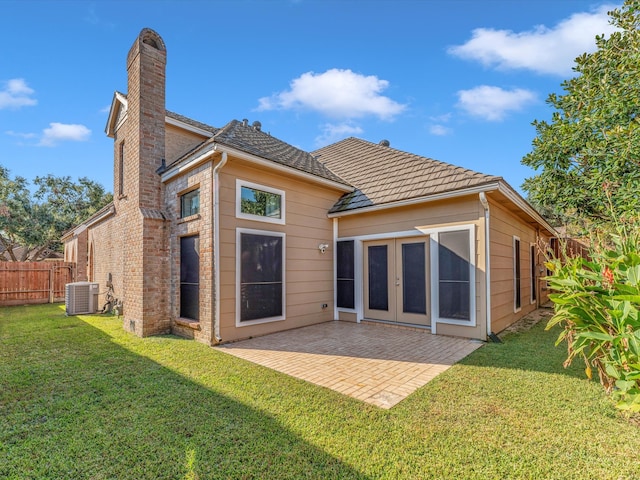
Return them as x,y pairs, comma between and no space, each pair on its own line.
512,195
516,309
250,231
487,187
187,126
190,163
335,276
435,281
335,268
533,266
432,233
384,236
259,218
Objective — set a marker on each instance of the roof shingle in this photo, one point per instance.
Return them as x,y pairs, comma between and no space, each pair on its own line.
386,175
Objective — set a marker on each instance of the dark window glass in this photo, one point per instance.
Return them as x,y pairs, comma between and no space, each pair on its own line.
190,203
516,260
121,170
414,289
345,274
454,286
189,277
260,276
534,292
378,281
263,204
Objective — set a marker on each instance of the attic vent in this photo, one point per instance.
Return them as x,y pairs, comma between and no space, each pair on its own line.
384,143
257,125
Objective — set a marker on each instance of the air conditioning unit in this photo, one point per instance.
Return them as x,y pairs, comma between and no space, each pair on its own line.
81,297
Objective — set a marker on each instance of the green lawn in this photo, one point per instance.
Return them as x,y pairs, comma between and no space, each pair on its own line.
82,399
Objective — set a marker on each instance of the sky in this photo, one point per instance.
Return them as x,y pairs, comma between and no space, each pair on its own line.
460,81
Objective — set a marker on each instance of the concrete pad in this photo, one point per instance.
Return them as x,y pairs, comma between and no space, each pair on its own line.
375,363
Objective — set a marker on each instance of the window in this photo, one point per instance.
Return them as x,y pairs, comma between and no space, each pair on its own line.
190,203
534,284
121,170
345,272
190,277
454,276
260,277
257,202
517,300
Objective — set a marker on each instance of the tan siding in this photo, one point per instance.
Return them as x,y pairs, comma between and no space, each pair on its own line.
464,210
460,211
308,275
504,226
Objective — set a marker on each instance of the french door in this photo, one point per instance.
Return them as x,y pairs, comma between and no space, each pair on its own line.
396,280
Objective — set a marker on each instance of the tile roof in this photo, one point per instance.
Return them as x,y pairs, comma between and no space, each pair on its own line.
385,175
189,121
251,139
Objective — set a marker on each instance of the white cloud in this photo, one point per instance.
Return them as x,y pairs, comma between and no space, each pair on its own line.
542,50
332,133
16,94
58,132
336,93
21,135
493,103
439,130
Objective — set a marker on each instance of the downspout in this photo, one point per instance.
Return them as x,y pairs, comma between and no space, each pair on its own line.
335,269
216,245
487,264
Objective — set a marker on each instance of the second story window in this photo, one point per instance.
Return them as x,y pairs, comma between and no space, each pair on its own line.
121,170
258,202
190,203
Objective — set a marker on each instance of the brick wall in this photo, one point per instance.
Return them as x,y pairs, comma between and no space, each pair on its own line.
201,225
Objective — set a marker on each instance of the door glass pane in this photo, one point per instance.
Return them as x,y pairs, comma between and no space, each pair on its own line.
414,291
454,288
378,279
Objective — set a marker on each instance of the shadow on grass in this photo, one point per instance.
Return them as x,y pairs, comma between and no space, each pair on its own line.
532,350
74,404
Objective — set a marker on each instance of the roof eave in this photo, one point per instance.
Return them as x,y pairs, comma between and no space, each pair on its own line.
118,99
485,187
516,198
196,158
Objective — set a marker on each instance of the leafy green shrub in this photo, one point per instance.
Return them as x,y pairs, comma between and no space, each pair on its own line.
597,301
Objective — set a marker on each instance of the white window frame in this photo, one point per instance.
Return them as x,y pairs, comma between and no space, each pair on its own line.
239,232
181,196
533,265
516,309
435,276
255,186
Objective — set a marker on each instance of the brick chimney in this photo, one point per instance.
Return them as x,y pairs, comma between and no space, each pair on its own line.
139,152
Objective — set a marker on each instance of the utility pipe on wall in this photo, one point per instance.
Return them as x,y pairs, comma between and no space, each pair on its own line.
487,260
216,245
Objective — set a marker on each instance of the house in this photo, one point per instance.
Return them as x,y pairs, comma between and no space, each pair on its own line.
220,234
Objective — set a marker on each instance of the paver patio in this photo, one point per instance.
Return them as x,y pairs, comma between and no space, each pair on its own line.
378,364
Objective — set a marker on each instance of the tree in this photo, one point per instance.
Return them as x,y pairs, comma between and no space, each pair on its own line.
35,222
588,155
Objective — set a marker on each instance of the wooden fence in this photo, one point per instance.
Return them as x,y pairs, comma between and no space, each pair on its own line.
24,283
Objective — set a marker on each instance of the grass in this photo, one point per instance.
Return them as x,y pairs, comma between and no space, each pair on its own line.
82,399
